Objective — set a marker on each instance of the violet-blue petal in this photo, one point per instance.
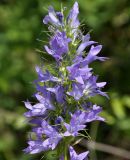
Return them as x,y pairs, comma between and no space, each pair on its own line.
36,110
76,91
55,140
73,16
75,156
79,79
48,130
52,142
72,129
53,17
36,122
92,88
58,45
35,147
79,73
85,43
101,84
60,17
86,37
54,136
92,55
92,114
43,77
76,124
83,46
45,100
59,92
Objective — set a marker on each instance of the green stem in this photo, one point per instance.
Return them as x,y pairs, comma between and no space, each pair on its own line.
65,152
93,134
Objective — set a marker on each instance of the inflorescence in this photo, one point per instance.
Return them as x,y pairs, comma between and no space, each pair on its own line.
63,109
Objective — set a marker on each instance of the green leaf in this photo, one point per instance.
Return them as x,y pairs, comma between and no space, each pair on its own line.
118,108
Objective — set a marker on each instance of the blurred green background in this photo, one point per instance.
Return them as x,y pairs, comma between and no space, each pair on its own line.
20,26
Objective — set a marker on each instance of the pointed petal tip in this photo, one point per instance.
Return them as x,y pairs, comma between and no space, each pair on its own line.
76,3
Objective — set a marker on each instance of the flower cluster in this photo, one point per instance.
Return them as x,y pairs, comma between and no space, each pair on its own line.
63,107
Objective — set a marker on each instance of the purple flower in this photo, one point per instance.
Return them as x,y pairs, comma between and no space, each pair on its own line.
55,18
73,16
36,110
77,91
44,77
75,156
46,100
92,88
91,56
92,114
79,73
58,45
88,88
44,104
76,124
79,118
73,22
59,93
51,141
36,122
35,147
85,43
53,136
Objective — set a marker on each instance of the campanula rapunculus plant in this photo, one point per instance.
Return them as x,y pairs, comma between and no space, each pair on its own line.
63,109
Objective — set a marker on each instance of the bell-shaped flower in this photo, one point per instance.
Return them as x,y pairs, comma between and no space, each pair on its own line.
80,118
38,109
88,89
35,146
76,124
54,18
53,136
85,43
92,88
58,45
75,156
92,114
44,77
59,93
72,19
73,22
46,100
79,73
91,56
77,91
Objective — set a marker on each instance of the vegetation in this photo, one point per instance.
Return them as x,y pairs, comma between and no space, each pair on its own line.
21,29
